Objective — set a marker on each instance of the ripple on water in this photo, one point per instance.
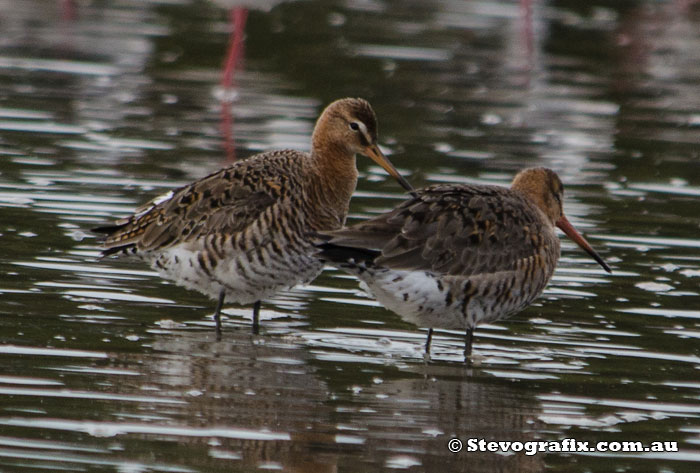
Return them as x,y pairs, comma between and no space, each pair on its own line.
29,381
77,461
492,98
651,242
64,66
402,462
370,345
664,312
654,286
25,114
75,267
42,351
402,52
41,127
95,396
673,188
655,408
116,296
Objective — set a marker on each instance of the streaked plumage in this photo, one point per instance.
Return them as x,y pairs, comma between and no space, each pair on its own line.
454,256
242,233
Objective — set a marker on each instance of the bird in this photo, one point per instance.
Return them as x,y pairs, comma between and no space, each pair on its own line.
238,16
244,233
456,255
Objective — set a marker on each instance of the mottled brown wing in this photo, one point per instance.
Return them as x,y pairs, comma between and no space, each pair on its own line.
452,229
225,202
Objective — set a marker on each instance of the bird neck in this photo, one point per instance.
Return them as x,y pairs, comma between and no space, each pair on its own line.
337,173
334,183
531,191
539,186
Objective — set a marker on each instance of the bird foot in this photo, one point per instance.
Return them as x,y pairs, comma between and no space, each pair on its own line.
474,360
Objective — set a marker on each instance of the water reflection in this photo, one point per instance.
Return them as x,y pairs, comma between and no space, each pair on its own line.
118,100
270,403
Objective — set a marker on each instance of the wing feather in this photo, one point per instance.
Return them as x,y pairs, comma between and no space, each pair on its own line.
225,202
452,229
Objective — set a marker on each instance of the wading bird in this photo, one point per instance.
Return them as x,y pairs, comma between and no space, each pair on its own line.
244,233
455,256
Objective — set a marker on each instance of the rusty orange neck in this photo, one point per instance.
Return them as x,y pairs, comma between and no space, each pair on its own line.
335,179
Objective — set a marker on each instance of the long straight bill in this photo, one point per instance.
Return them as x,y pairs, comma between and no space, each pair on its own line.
378,157
571,232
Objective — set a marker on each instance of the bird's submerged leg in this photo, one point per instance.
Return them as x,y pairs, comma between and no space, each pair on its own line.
468,338
256,317
217,313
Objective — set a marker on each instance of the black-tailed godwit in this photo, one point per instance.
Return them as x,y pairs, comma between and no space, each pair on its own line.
454,256
242,233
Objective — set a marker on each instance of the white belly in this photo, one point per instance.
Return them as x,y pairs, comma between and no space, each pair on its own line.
242,275
438,301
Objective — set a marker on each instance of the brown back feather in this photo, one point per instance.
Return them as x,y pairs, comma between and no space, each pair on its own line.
452,229
226,201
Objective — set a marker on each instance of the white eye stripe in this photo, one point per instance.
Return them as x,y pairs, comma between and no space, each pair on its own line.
362,129
358,125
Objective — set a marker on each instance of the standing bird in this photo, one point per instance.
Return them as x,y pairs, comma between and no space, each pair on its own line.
243,233
454,256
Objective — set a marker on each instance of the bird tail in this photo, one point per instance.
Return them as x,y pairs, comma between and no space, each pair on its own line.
344,255
107,232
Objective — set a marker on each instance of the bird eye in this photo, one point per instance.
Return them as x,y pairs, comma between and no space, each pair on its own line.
354,126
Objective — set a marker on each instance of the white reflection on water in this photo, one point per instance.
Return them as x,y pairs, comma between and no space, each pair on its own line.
29,381
402,52
656,408
75,462
668,189
663,312
41,127
652,241
116,296
65,66
42,351
112,429
95,396
106,110
643,354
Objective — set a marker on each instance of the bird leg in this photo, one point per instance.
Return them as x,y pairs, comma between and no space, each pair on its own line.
428,340
426,355
235,52
468,338
238,17
256,317
217,313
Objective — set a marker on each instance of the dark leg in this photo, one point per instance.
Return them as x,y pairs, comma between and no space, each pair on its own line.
217,313
256,318
428,340
468,337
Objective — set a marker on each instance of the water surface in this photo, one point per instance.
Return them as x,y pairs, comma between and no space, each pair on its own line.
106,367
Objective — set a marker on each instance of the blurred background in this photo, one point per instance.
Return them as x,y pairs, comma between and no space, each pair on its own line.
106,104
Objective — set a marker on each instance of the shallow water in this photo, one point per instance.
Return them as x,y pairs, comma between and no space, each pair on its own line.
106,367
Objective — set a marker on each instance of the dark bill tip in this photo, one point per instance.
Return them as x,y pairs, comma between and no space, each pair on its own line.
565,226
378,157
